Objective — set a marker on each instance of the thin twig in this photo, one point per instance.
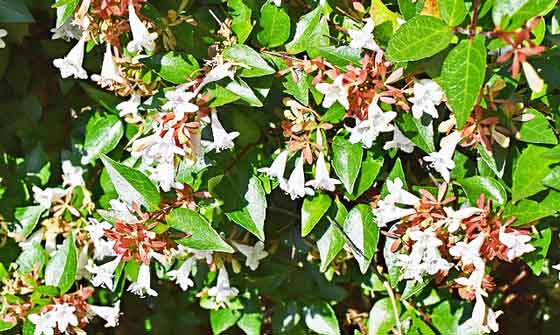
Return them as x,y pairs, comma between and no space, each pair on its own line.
394,304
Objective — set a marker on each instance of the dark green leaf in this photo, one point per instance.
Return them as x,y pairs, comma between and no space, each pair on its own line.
102,135
363,234
313,210
275,25
223,319
173,66
14,11
63,266
347,160
252,214
526,211
382,317
256,66
537,130
27,219
321,319
531,167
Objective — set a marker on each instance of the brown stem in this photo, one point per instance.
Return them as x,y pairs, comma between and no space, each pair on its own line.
474,17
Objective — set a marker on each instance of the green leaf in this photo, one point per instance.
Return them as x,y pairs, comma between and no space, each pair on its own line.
65,11
396,172
252,214
446,318
313,210
531,168
347,160
332,240
275,26
107,100
527,211
476,185
512,14
241,19
420,132
536,259
254,64
102,135
203,236
420,37
175,67
286,317
220,96
132,185
537,130
382,317
320,318
223,319
363,235
244,92
63,266
380,14
32,257
462,76
495,162
27,219
296,85
369,171
414,287
341,56
307,32
14,11
252,319
553,178
452,11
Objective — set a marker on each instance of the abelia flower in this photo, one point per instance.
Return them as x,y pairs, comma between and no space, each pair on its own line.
277,3
67,31
156,149
473,283
557,267
469,253
334,92
535,82
103,274
179,101
456,217
71,64
295,186
64,316
142,39
72,176
223,292
163,174
411,267
201,254
253,254
483,319
47,196
387,212
217,73
322,180
363,38
399,142
427,95
182,275
398,195
109,71
102,247
129,109
377,121
142,285
109,314
442,160
3,33
120,210
517,243
222,139
44,323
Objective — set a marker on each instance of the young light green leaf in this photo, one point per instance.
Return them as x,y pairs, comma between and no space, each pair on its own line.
65,11
320,318
420,37
462,76
275,25
63,266
102,135
537,130
240,19
452,11
253,213
173,66
223,319
382,317
531,168
202,235
313,210
132,185
347,160
476,185
363,234
254,64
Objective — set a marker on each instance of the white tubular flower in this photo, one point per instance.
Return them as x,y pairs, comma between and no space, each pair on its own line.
64,316
218,73
411,267
469,252
142,39
277,168
71,65
156,149
398,195
399,142
377,121
387,212
474,281
208,256
442,160
179,101
103,274
363,38
129,109
535,82
109,314
483,319
120,210
109,72
518,244
456,217
44,323
322,180
47,196
142,285
102,247
72,175
163,174
277,3
222,292
222,139
427,95
296,183
182,275
434,262
253,254
68,31
3,33
334,92
425,239
557,267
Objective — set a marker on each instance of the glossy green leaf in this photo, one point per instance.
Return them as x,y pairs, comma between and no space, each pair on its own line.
347,160
332,240
452,11
241,19
537,130
341,56
173,66
255,65
462,76
65,11
420,37
382,317
536,259
531,168
275,26
313,210
222,319
252,214
306,32
102,135
202,235
420,132
32,257
371,166
512,14
476,185
320,318
27,219
14,11
363,235
62,267
526,211
132,185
